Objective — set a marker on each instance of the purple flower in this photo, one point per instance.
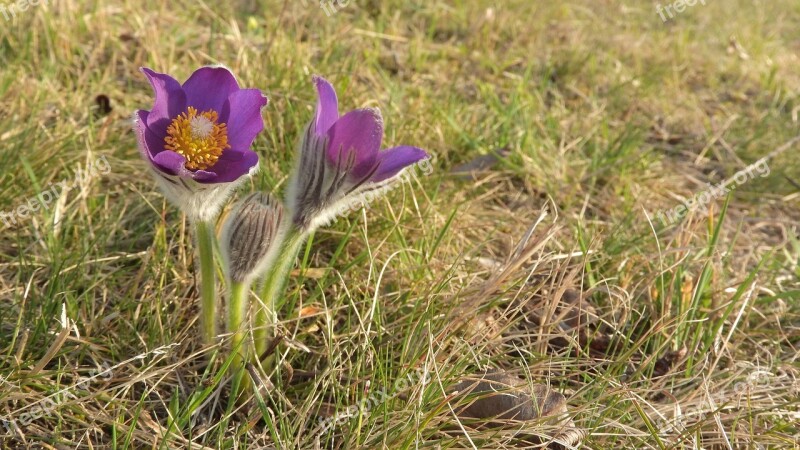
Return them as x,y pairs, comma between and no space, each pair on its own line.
341,160
197,136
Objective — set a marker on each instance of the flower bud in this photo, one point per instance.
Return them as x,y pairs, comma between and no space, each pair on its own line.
249,234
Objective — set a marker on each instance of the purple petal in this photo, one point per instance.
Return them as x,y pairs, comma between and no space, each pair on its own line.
233,154
205,177
170,99
170,163
393,160
173,163
225,170
242,113
209,88
358,132
151,142
145,138
327,106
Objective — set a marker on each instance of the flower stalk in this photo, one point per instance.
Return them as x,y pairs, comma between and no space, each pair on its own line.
208,281
274,284
237,322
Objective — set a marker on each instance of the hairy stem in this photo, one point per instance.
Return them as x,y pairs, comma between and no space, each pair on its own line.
237,320
208,282
237,324
274,283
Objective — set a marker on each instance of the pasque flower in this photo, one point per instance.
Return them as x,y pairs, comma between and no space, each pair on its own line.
196,140
197,137
340,160
339,165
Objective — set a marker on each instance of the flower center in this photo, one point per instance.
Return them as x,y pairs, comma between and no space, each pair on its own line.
198,137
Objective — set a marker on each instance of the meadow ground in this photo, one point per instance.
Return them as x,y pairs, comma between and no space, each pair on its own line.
600,114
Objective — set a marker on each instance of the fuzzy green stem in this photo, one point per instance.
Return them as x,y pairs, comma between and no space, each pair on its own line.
208,282
274,283
237,315
237,324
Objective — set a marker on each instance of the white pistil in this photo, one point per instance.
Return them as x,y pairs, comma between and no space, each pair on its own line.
201,127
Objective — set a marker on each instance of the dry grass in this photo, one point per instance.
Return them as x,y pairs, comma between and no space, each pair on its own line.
609,116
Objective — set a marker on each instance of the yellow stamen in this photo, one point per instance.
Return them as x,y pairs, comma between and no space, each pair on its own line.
198,137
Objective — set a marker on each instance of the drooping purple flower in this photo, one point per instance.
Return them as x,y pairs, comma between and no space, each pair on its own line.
197,137
341,160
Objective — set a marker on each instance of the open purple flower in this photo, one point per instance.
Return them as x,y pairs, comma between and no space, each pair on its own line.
197,137
341,160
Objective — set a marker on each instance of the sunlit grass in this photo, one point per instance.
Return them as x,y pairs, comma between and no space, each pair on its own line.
609,116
